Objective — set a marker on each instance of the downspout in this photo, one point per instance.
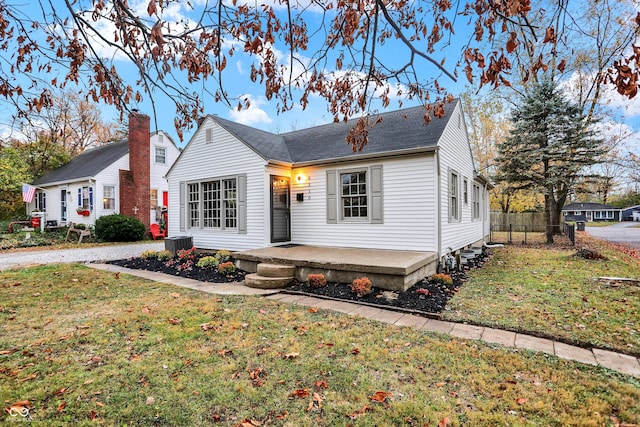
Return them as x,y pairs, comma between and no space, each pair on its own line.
439,207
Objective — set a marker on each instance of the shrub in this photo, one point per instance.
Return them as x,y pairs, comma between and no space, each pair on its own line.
361,286
186,254
442,278
119,228
149,254
226,268
222,255
316,280
165,255
208,261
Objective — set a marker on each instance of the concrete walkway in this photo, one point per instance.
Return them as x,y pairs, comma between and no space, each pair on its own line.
618,362
17,259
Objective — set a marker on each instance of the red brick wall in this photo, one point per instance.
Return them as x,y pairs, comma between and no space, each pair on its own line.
134,183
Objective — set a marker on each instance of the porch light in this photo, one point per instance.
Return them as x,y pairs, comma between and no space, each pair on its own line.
301,178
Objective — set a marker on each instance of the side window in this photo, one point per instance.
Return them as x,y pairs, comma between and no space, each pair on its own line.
454,196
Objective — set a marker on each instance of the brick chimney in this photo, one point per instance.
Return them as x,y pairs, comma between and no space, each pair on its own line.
135,183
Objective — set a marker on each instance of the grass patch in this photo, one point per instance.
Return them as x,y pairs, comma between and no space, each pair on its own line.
85,345
600,223
547,291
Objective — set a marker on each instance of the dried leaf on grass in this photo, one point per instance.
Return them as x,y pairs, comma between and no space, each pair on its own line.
302,393
380,396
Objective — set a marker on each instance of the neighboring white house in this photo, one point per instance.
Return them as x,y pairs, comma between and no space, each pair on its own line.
89,186
412,187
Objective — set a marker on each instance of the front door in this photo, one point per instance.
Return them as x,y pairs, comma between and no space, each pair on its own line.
280,219
63,205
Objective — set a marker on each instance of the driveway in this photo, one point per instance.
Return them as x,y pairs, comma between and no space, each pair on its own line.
89,254
621,232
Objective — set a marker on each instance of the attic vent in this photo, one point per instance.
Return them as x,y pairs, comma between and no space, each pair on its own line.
160,138
209,136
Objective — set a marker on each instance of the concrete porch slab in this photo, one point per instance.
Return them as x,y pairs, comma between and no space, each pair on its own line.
387,269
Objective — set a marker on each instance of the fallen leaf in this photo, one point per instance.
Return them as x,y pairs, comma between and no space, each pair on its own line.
92,415
291,355
117,275
87,382
444,422
61,406
521,400
175,294
355,351
321,384
150,400
313,309
380,396
302,393
29,377
174,321
60,391
440,384
360,412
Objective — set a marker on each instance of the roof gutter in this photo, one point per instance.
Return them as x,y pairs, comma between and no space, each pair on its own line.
68,181
369,156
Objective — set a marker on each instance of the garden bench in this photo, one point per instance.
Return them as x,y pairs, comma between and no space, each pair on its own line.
82,233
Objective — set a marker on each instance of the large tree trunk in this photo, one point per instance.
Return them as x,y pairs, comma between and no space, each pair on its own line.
548,217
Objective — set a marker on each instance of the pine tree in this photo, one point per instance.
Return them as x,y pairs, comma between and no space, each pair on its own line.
548,149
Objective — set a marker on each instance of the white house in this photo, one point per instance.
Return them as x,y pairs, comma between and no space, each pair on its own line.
100,181
412,187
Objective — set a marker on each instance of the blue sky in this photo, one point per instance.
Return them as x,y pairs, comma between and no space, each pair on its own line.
262,113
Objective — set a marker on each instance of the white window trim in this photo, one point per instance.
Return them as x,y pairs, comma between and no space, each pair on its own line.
476,200
155,155
223,218
450,187
104,197
359,219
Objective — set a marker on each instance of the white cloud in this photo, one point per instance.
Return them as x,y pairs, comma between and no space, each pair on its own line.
253,115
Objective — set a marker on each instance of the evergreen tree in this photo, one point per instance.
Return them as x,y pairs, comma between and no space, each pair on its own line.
548,148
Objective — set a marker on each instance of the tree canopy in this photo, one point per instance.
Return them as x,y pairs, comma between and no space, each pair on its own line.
347,52
548,148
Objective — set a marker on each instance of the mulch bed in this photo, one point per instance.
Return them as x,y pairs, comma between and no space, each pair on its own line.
425,297
195,272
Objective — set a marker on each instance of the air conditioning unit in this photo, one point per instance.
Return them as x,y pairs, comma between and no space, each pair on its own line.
175,243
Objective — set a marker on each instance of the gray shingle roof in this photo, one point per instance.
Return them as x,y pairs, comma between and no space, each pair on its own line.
399,130
86,164
588,206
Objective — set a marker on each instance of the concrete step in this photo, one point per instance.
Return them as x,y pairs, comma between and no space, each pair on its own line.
255,280
276,270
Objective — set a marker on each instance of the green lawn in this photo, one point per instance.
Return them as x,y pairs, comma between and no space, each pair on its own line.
86,347
548,291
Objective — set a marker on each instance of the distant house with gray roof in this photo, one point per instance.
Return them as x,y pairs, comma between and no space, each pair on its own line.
93,183
412,187
589,211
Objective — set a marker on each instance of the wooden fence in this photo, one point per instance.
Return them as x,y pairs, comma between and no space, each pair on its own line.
528,221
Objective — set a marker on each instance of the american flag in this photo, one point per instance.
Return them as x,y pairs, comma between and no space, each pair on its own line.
28,191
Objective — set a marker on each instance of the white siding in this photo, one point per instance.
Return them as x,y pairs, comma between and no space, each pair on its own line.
157,178
224,156
409,208
455,154
109,176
